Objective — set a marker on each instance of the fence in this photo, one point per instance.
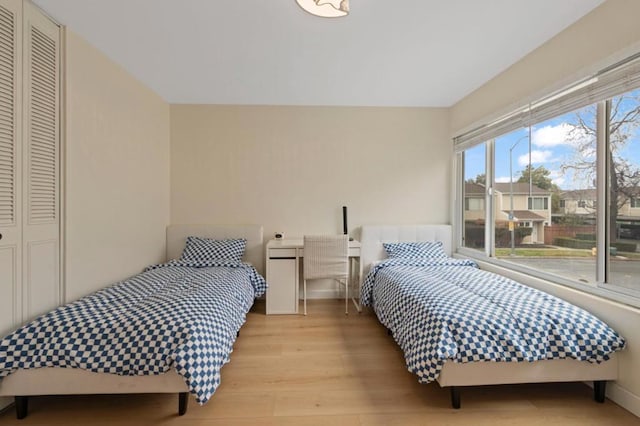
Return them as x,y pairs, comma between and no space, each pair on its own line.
570,231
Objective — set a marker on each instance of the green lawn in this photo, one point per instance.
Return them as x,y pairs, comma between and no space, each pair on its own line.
555,252
543,252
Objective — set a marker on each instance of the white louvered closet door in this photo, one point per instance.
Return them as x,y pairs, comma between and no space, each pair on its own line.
10,165
40,164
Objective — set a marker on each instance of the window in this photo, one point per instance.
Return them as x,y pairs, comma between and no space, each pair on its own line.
538,203
564,198
474,204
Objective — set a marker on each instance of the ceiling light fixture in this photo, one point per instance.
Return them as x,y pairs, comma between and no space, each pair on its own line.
325,8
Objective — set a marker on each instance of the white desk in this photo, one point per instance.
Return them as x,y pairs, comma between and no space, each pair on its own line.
283,273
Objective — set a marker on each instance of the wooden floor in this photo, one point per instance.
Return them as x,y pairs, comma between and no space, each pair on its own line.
329,369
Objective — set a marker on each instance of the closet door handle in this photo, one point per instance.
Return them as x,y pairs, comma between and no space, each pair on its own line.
0,236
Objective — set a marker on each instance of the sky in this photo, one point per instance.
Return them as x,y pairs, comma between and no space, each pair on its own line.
553,144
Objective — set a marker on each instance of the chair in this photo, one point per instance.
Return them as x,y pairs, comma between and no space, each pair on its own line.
326,256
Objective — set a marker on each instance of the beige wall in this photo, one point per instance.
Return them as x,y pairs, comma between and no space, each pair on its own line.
293,168
605,34
117,172
610,31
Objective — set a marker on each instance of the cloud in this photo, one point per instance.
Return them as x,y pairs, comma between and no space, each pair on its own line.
503,179
557,177
561,134
536,157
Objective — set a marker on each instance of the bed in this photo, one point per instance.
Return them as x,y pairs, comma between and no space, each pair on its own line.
451,347
195,306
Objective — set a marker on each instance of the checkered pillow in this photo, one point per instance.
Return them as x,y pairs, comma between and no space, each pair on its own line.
415,250
205,249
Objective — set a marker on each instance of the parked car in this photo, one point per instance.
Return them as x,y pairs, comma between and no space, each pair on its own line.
630,232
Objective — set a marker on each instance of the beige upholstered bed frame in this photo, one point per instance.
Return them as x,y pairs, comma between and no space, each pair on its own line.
67,381
485,373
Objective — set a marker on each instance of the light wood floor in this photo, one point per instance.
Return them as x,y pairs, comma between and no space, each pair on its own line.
329,369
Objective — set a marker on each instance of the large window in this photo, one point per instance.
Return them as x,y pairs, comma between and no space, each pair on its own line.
564,197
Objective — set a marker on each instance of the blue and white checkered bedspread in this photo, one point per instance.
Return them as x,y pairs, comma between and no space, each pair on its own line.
451,310
177,315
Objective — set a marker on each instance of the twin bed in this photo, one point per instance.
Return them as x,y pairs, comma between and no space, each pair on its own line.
465,327
167,330
172,328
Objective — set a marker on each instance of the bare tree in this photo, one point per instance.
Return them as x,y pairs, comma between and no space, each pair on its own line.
624,121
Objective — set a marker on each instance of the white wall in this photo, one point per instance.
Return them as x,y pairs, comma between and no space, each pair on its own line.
609,33
292,169
117,172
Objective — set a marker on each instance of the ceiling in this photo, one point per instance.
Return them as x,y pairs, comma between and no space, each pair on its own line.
267,52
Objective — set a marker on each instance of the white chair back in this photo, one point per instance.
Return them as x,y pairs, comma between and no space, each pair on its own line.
326,256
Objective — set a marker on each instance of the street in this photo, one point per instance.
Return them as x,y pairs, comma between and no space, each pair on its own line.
625,273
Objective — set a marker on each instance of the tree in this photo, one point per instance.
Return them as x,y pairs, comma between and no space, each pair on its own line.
481,179
540,178
624,120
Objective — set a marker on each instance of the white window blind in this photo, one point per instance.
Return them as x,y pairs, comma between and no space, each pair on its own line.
606,83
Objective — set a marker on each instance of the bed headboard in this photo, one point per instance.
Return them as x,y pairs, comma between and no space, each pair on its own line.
254,252
373,236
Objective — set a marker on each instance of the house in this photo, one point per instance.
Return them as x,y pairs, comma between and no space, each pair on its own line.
138,154
528,206
583,202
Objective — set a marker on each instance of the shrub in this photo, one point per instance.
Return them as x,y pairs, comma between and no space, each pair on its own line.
627,247
520,233
584,244
503,236
586,237
474,234
573,243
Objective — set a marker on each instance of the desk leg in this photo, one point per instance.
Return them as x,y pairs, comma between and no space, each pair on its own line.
354,277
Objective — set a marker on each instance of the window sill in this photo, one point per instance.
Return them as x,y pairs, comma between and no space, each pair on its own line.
511,270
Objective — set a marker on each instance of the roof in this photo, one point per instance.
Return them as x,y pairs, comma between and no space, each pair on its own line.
473,189
525,215
579,194
590,193
520,188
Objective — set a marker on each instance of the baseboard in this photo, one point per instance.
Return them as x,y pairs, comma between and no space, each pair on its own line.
624,398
